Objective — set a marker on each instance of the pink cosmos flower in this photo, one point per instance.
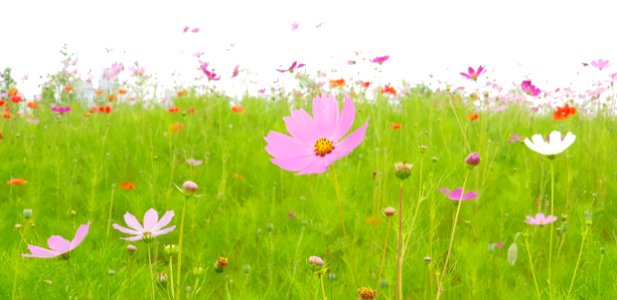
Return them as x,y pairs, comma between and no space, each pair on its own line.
114,70
210,74
295,26
529,88
61,110
473,74
600,64
59,246
380,59
152,228
194,162
292,68
540,219
186,29
261,91
315,142
195,30
456,194
236,71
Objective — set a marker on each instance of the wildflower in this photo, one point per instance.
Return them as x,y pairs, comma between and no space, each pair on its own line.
540,219
456,195
161,278
209,74
58,246
189,187
61,110
12,92
315,142
336,83
600,64
553,146
529,88
220,264
562,113
515,138
473,159
395,126
176,127
112,97
237,108
473,74
16,181
292,68
389,211
380,59
388,89
365,293
122,91
99,92
294,26
68,88
365,84
32,105
16,99
402,170
173,109
127,185
131,248
152,227
181,93
194,162
473,117
315,261
236,71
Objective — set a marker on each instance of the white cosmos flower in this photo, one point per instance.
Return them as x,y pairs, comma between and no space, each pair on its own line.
553,146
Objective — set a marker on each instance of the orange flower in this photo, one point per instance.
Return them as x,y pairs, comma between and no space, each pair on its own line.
68,88
106,109
337,83
13,92
395,126
122,91
127,185
176,127
564,112
191,110
16,181
473,117
173,109
99,92
181,93
388,89
373,221
112,97
7,115
365,84
237,109
33,105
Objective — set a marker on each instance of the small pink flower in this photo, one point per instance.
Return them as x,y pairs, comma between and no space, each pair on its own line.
529,88
194,162
515,138
473,74
380,59
292,68
456,195
152,226
58,245
351,62
600,64
195,30
209,74
236,71
198,54
186,29
295,26
261,91
540,219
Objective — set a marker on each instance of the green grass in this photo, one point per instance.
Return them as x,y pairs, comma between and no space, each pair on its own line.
74,165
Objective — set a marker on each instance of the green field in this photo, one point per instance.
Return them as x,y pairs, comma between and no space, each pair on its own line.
268,221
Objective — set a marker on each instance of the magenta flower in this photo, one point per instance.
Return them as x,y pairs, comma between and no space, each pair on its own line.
236,71
195,30
58,245
540,219
261,91
315,142
292,68
380,59
152,228
186,29
456,194
529,88
473,74
61,110
600,64
209,74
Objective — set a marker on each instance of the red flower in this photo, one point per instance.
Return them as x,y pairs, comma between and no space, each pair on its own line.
337,83
395,126
16,181
237,109
564,112
473,117
16,99
127,185
173,109
388,89
365,84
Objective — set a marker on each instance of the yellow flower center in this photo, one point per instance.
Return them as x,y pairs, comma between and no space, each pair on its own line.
323,147
474,75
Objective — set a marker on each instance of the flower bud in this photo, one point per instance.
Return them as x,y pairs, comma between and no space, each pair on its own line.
189,187
389,211
220,264
365,293
473,159
131,248
161,278
402,170
171,249
27,213
427,259
315,261
331,276
197,271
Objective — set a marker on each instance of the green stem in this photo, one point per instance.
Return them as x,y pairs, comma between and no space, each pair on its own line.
445,265
179,272
550,247
339,203
171,276
578,261
385,251
129,275
323,290
151,272
533,272
399,242
111,205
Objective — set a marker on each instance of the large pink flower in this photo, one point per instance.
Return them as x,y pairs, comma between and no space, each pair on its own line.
152,228
59,246
315,142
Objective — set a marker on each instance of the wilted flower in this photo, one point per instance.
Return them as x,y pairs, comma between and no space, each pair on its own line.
553,146
152,227
365,293
58,245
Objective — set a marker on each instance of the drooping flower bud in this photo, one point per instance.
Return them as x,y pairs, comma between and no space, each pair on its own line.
472,159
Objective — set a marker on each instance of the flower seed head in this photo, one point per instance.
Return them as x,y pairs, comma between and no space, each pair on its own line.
389,211
220,264
402,169
365,293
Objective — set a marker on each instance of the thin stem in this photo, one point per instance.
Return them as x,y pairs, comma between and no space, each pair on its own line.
171,276
130,275
399,242
385,251
339,203
151,273
323,289
179,272
111,205
445,265
533,272
550,247
578,261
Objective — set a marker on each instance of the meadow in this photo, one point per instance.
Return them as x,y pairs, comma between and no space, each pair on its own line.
252,230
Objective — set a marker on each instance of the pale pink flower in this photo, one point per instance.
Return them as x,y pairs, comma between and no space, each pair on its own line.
295,26
456,194
236,71
195,30
59,246
315,142
540,219
292,68
600,64
152,227
194,162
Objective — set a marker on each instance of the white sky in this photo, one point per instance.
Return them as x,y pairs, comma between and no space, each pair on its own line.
545,41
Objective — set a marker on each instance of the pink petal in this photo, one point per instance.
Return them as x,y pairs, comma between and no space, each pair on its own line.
81,233
346,119
349,143
150,219
318,166
325,114
164,220
283,146
164,231
465,75
294,164
125,230
470,70
59,244
38,252
132,222
301,126
133,238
